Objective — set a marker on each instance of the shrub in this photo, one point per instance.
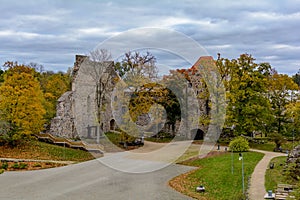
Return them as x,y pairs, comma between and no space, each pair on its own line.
277,138
1,171
4,165
37,165
239,144
15,166
23,165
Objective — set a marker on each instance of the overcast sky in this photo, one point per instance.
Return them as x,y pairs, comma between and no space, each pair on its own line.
51,32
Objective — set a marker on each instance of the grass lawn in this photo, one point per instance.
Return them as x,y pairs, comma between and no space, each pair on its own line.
275,176
33,149
269,146
215,174
112,142
113,137
191,152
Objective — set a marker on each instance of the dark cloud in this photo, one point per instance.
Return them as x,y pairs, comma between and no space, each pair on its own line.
52,32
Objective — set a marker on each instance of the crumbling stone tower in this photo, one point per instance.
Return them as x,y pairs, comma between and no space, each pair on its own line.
75,113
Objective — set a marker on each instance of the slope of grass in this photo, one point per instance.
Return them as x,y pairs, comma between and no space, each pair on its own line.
33,149
275,176
215,174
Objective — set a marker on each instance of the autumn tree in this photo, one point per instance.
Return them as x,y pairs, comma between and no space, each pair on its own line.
154,93
248,107
53,86
138,72
281,89
21,109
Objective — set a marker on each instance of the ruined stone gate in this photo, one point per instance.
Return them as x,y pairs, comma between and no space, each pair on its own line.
75,115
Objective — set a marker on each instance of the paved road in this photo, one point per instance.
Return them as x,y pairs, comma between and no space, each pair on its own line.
90,180
257,185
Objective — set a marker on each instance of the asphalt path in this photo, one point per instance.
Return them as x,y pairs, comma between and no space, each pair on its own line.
91,180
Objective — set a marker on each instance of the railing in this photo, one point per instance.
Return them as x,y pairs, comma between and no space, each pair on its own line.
95,148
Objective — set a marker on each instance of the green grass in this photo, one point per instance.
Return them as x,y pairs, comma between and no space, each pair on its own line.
191,152
269,146
61,153
275,176
113,137
215,173
33,149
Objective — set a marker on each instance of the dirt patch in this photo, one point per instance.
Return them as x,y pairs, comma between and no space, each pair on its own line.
31,165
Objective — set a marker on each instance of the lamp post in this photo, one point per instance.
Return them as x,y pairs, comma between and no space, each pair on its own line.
231,161
186,112
243,183
293,130
232,128
293,137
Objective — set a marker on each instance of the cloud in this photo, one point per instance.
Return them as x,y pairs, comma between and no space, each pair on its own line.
52,32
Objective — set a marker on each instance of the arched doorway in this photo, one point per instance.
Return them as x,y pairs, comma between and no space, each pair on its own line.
197,134
112,124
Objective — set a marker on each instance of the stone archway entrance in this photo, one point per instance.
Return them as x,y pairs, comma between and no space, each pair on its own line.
197,134
112,124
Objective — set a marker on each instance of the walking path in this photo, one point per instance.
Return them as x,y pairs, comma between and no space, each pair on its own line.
257,184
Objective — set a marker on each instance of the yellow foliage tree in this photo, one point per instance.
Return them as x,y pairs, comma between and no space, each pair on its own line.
54,87
21,102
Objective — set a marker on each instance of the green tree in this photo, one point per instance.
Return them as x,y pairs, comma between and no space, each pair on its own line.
239,144
246,83
21,107
1,76
293,113
296,78
281,88
277,138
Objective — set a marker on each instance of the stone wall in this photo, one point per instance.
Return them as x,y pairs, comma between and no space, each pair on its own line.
63,124
76,109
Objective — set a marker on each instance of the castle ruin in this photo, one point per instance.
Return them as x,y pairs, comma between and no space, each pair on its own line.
75,115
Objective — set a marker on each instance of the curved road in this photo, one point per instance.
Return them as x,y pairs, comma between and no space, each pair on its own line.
92,180
257,184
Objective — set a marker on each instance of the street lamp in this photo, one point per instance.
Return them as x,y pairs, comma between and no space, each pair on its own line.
243,183
231,161
232,128
293,130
